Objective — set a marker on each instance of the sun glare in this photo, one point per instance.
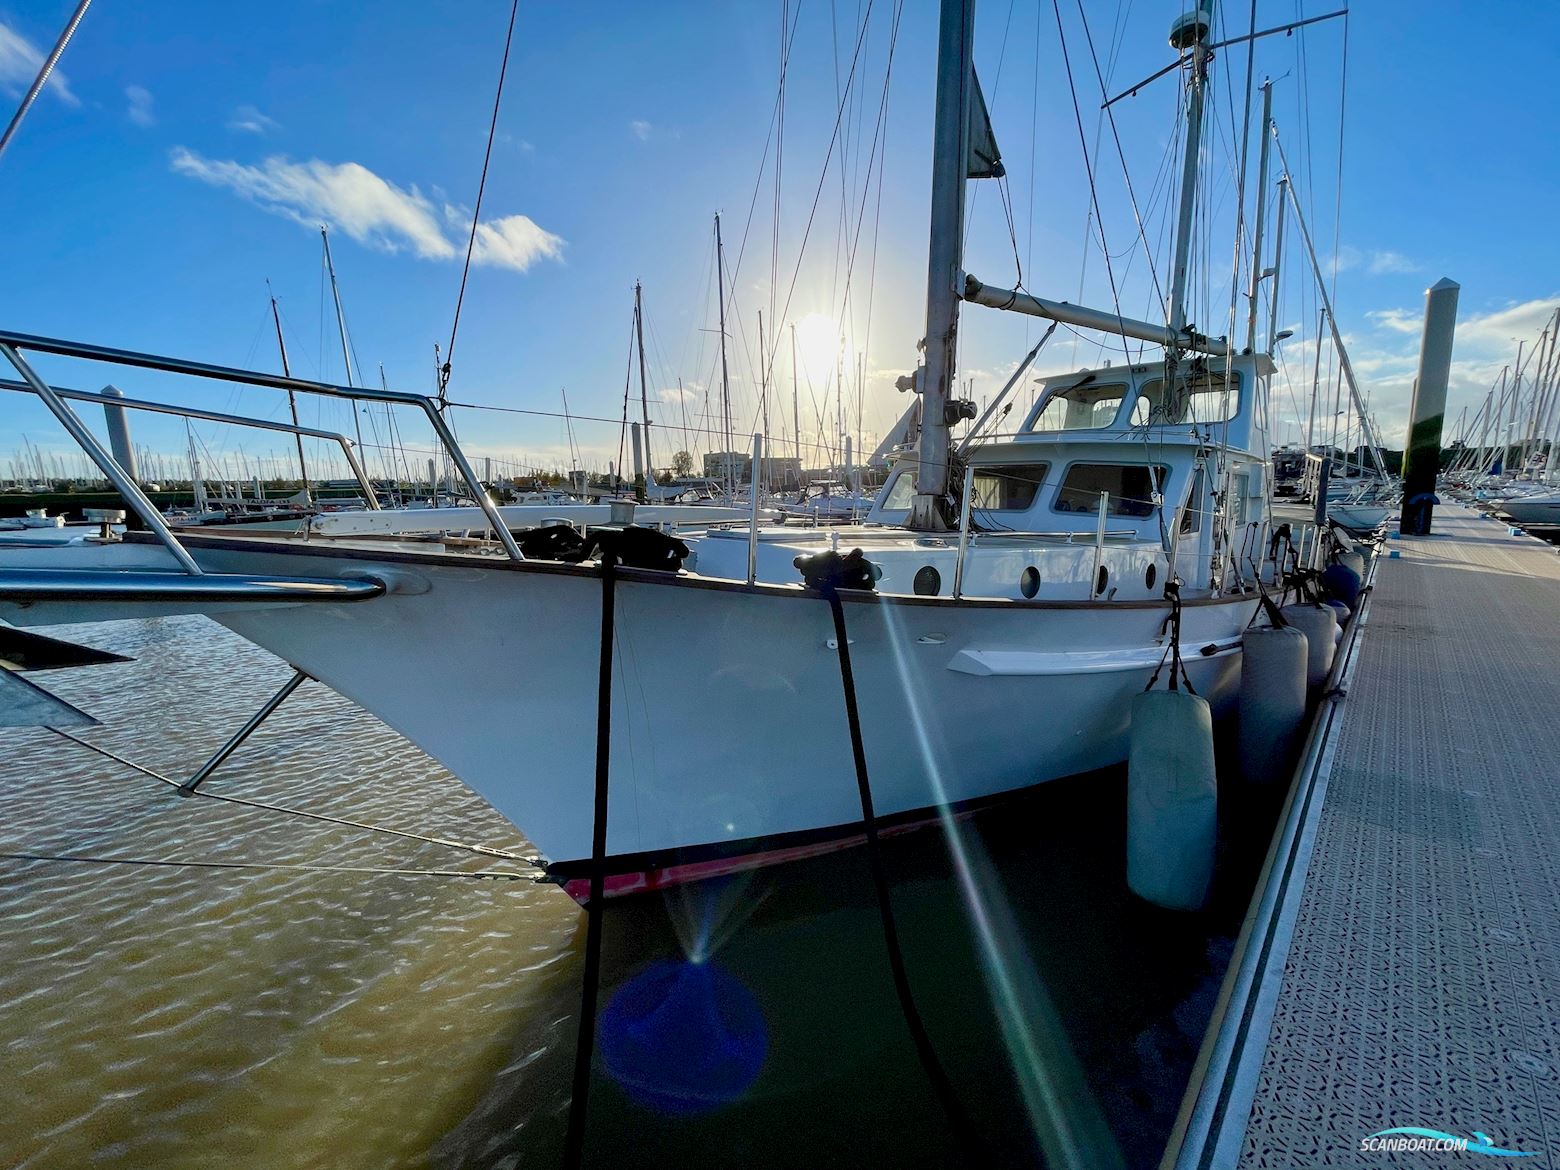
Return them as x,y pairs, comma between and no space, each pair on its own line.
818,346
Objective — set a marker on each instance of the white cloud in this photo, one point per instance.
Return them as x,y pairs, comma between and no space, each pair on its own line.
514,241
372,210
642,129
1501,329
1375,263
19,62
248,120
1397,320
1390,262
139,110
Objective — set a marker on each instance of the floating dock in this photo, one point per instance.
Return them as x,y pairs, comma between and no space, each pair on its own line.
1400,967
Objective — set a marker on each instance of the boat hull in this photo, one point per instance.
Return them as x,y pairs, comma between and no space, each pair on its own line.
729,735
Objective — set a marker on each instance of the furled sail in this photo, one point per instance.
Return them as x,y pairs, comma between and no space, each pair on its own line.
985,160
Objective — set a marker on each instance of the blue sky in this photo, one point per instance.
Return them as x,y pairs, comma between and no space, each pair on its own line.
188,152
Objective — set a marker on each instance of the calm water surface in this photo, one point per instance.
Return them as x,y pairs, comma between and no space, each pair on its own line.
180,1017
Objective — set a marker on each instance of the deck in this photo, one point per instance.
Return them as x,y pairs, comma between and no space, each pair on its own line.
1402,966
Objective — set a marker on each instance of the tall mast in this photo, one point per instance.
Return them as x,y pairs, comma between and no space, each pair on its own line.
644,400
1190,31
950,166
796,409
341,330
292,399
763,399
725,376
197,481
1256,227
1316,384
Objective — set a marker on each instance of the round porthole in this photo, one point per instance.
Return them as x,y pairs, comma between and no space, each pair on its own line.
1104,580
928,581
1150,575
1029,582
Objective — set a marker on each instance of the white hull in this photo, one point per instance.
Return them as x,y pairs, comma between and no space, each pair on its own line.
1537,510
1358,517
728,726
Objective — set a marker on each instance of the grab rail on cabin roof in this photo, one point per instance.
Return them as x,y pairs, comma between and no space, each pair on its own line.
11,345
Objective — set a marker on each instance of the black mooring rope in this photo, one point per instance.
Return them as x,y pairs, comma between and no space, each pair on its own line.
1172,652
574,1139
963,1128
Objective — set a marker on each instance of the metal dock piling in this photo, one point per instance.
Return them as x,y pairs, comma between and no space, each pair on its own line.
1406,955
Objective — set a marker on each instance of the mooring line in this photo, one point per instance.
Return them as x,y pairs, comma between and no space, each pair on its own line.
481,850
173,862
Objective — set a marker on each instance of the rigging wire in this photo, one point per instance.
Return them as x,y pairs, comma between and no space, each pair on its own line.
1088,166
476,212
1121,154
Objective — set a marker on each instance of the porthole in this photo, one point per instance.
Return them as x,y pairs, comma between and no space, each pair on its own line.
1029,582
928,581
1150,575
1104,580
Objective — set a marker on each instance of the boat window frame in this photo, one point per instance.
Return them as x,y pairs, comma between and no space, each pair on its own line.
993,472
1157,381
1161,471
1049,396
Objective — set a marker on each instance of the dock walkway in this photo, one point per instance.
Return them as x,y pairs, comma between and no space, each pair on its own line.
1414,980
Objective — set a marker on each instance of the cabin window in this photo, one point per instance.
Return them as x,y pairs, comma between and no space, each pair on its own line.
902,494
1191,514
1008,487
1131,488
1211,397
1078,407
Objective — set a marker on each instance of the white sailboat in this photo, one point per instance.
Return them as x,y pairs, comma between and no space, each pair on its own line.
1018,605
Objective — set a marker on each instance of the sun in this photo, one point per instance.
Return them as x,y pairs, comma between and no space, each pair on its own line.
818,346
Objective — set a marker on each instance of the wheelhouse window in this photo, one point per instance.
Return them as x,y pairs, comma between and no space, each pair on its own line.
1191,515
1210,396
902,493
1007,487
1078,407
1131,488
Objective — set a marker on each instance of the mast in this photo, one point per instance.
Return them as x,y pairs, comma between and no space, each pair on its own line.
1316,385
1346,367
292,399
197,481
644,400
796,410
341,329
950,156
763,399
1256,227
1190,31
725,376
1278,262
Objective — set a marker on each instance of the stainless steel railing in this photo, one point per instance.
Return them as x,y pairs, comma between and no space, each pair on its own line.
13,344
265,424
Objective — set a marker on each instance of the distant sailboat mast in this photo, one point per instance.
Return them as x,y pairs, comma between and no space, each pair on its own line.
644,400
796,409
292,399
725,375
341,330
